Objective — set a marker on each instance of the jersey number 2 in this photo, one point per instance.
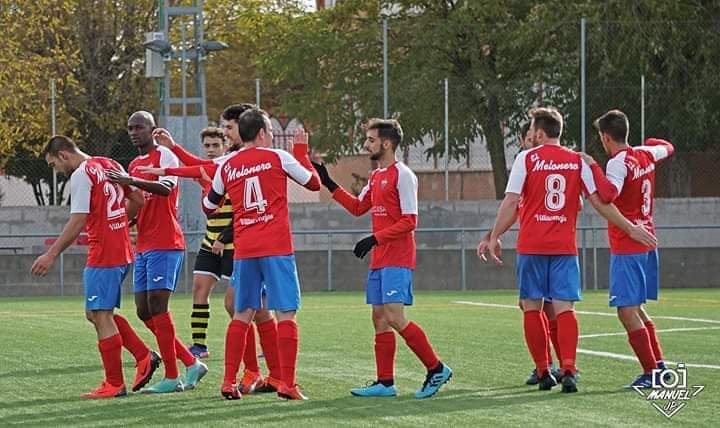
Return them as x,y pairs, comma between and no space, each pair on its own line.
554,192
115,198
254,196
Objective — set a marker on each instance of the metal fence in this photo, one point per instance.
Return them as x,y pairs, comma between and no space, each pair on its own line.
461,240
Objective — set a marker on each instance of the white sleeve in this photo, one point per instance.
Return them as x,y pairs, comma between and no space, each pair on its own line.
616,171
516,181
587,178
218,186
293,168
168,160
80,186
407,187
658,152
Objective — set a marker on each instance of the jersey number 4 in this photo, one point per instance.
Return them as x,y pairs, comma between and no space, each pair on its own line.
254,196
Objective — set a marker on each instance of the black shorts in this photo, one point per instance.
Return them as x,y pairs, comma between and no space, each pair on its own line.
207,263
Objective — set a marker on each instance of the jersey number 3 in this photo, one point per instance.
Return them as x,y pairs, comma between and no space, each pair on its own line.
554,192
254,196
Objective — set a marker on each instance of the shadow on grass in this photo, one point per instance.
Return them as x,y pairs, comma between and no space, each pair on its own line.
178,409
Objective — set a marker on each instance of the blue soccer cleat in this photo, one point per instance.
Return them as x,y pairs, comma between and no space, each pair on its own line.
642,381
375,389
433,382
165,386
194,374
199,351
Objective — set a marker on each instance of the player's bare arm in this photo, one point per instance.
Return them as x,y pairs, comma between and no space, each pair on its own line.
155,187
506,217
71,231
613,215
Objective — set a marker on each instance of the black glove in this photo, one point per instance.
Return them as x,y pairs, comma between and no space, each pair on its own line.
324,176
364,246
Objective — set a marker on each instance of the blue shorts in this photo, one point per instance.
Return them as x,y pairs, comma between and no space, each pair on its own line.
274,276
389,285
157,270
103,286
633,278
548,277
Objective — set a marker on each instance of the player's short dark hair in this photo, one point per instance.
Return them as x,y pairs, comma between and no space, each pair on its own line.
549,120
388,129
234,111
614,123
59,143
250,123
212,132
524,131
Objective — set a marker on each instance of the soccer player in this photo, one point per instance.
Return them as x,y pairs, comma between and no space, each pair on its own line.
252,380
159,252
255,179
391,196
547,314
99,207
550,179
634,270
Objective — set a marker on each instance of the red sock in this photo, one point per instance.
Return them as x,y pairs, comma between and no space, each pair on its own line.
111,354
164,330
268,332
234,349
654,342
536,339
288,341
568,336
250,355
385,347
183,353
130,339
546,326
554,338
418,342
640,342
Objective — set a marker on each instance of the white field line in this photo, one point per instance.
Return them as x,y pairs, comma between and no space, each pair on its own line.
604,314
667,330
612,354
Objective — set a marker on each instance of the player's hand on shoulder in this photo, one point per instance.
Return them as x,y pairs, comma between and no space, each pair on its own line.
588,159
163,137
42,264
119,177
151,170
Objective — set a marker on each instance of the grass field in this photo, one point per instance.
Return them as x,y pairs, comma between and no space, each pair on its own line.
49,356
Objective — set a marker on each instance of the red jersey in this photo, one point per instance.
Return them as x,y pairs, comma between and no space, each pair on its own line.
549,179
157,224
104,203
391,196
631,175
255,180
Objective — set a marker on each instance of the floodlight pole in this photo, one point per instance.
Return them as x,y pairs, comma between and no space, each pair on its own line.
386,109
447,143
53,127
583,59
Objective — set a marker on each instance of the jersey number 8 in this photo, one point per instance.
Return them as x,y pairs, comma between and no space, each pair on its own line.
555,192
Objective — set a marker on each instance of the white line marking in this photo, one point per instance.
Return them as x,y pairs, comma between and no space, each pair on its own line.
668,330
604,314
632,358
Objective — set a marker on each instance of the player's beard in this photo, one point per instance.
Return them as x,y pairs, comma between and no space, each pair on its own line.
377,155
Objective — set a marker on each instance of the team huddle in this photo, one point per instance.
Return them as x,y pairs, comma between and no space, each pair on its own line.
249,241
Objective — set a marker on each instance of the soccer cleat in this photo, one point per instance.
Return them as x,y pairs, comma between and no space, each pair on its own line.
144,370
291,392
557,373
270,385
199,351
165,386
642,381
666,376
569,382
230,391
194,374
250,381
375,389
433,382
105,390
547,381
533,378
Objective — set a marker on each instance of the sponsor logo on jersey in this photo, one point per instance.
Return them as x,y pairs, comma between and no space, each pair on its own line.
639,172
550,165
233,173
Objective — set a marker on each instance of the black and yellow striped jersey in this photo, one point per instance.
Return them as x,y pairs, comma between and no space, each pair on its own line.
216,223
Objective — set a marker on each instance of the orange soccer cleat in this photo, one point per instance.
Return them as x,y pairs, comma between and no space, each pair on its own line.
105,390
